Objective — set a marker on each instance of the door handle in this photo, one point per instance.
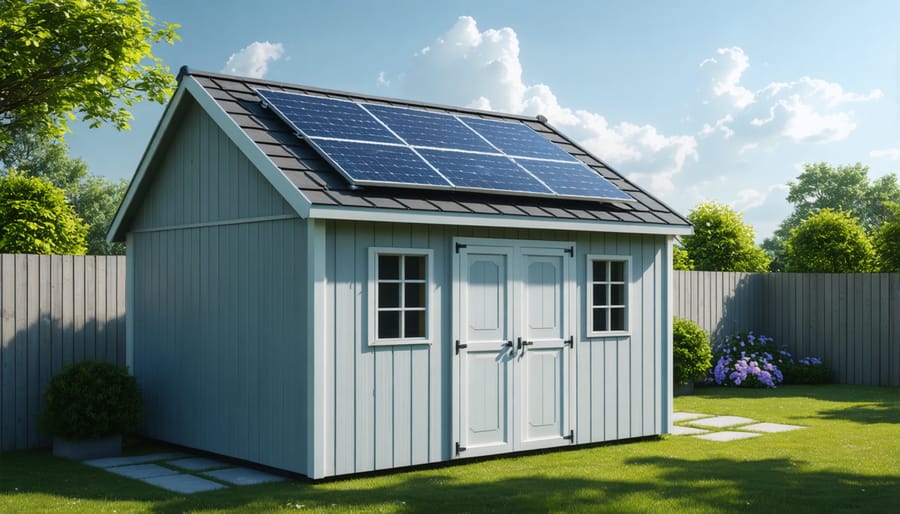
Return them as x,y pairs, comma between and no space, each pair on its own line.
522,344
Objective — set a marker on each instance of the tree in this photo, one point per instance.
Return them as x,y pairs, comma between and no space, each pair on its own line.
722,241
841,188
62,58
829,242
95,199
681,261
35,218
887,242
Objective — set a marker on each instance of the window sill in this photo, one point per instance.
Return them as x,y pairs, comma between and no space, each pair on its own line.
609,335
400,342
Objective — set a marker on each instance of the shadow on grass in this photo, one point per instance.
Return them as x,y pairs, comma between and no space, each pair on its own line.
866,414
654,483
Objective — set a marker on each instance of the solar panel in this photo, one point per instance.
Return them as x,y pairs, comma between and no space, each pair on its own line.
517,140
316,116
430,129
382,145
573,179
376,164
483,172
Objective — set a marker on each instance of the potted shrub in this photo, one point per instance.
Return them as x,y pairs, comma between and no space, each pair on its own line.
691,354
88,406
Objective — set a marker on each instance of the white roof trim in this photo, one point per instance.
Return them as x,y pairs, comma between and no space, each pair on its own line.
292,195
489,220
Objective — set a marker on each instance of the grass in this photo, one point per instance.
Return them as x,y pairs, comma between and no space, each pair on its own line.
848,460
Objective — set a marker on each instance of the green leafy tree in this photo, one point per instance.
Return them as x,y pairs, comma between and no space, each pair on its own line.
36,218
887,242
68,58
840,188
829,242
681,261
722,241
94,198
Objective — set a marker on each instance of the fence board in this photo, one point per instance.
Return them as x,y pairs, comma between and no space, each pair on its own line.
47,303
850,320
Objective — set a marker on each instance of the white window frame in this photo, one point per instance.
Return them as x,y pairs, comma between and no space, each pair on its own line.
589,304
374,253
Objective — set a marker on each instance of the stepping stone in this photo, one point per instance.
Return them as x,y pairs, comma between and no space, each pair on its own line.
726,436
184,484
679,430
141,471
197,463
771,428
722,421
132,459
243,476
684,416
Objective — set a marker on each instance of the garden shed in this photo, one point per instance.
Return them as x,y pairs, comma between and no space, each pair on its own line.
331,283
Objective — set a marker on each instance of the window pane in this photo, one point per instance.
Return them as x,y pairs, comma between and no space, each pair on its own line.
388,295
415,267
618,319
388,267
388,324
414,324
599,271
617,271
599,321
600,294
415,295
618,294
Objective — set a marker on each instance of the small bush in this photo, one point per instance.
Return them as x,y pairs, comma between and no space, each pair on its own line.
91,399
690,350
808,370
746,360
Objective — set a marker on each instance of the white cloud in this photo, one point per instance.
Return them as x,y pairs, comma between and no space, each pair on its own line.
482,70
253,59
887,153
807,110
382,80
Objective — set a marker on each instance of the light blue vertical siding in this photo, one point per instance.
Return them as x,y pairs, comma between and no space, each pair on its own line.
391,406
220,294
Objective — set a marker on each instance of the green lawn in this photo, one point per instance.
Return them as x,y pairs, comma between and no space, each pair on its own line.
848,460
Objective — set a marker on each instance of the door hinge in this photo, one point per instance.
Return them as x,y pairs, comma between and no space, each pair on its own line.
459,448
570,250
459,246
460,346
570,342
570,437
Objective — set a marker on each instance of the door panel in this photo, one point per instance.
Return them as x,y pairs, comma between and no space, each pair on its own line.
485,384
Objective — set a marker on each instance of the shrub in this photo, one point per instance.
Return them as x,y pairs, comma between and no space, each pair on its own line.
91,399
691,351
808,370
746,360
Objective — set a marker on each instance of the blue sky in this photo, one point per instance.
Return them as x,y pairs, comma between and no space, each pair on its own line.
698,100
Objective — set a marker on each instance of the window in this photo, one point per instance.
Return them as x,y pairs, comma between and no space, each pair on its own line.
399,285
607,294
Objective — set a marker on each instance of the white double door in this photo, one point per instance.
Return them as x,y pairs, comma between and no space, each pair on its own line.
514,353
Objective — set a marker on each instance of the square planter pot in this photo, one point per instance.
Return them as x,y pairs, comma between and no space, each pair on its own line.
86,449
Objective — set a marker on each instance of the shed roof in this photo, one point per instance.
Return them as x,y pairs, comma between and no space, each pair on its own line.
324,192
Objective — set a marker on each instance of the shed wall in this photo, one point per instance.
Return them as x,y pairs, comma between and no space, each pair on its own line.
390,406
220,296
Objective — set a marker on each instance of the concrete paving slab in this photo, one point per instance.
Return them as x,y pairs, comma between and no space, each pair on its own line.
131,459
722,421
243,476
770,428
726,436
684,416
679,430
184,484
141,471
197,463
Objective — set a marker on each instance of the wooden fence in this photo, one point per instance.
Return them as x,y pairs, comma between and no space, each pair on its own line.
55,310
850,320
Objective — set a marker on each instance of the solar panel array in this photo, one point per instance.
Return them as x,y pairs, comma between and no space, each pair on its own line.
383,145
